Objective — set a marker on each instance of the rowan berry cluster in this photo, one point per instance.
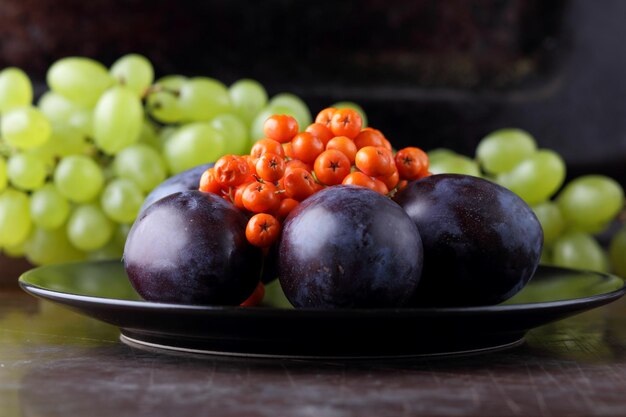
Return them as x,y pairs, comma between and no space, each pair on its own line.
287,166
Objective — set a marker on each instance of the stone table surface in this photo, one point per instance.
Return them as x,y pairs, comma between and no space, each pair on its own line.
54,362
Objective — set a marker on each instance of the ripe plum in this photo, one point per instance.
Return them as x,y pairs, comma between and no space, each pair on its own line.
190,247
482,243
349,247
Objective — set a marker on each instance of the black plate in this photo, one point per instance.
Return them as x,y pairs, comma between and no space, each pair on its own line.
102,290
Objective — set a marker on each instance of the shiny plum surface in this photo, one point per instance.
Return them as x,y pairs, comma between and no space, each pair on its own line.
482,243
190,247
349,247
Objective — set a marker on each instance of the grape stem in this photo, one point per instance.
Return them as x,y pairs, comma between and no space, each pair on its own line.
156,88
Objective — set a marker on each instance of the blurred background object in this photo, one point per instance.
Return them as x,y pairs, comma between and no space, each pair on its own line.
433,73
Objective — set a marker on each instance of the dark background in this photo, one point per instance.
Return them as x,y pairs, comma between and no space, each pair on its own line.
430,73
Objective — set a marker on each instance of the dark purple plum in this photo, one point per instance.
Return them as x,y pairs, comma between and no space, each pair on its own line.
190,247
183,181
482,243
349,247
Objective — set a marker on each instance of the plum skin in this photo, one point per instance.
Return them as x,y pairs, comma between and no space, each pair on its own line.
190,247
349,247
482,243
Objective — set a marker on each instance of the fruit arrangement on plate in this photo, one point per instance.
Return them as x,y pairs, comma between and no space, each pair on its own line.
341,220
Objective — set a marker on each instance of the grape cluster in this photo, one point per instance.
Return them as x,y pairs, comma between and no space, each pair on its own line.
570,214
75,167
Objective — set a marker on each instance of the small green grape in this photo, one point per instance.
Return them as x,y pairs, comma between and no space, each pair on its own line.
25,128
26,171
133,71
579,251
617,252
455,164
88,228
78,178
81,80
502,150
201,99
16,89
591,201
50,246
536,178
121,200
248,97
15,222
48,208
551,220
235,133
192,145
141,164
117,119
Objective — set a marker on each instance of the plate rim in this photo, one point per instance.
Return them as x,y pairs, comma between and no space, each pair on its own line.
61,296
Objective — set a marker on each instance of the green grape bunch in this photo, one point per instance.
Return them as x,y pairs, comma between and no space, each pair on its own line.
571,214
77,163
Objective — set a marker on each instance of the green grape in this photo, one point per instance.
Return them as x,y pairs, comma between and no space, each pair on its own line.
162,103
78,178
149,136
455,164
551,220
536,178
248,97
15,222
617,252
48,208
25,128
114,249
26,171
16,89
4,179
45,154
235,133
172,83
166,133
202,98
67,140
45,247
81,80
121,200
546,256
56,107
88,228
579,251
141,164
256,129
354,106
17,251
117,120
439,154
192,145
133,71
164,107
298,108
275,296
502,150
109,251
591,201
82,120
